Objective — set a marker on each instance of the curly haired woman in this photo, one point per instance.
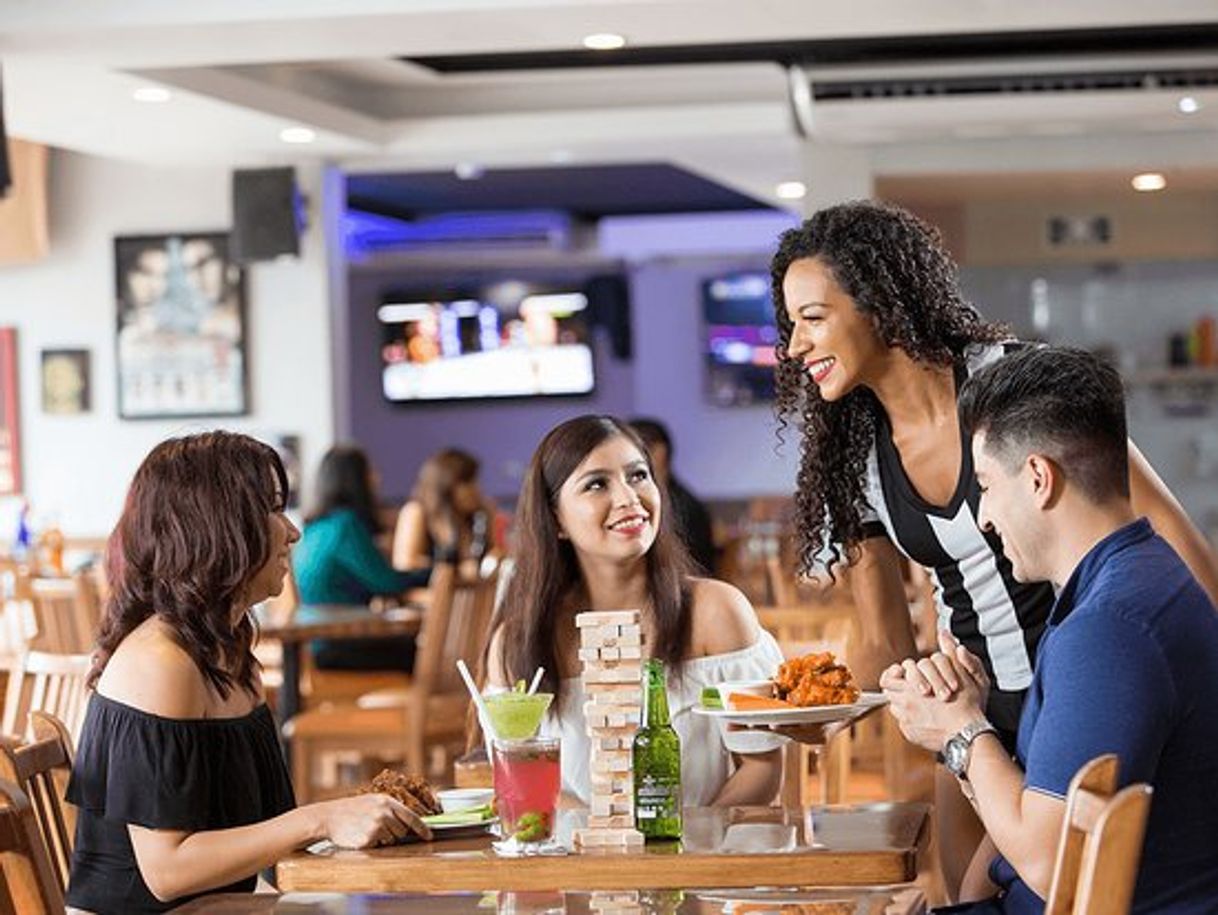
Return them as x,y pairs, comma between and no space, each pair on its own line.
875,339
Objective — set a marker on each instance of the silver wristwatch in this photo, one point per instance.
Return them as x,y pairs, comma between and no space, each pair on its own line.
959,746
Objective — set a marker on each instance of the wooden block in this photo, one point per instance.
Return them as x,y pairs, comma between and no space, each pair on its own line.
613,742
590,655
622,836
613,694
613,783
610,821
607,618
612,762
609,654
614,672
630,639
601,709
630,652
612,897
618,838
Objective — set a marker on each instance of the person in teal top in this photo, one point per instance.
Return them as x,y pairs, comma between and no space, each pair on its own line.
337,562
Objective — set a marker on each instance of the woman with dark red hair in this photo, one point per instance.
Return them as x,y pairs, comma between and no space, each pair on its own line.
179,778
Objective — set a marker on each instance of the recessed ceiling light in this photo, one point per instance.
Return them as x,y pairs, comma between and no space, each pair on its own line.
791,190
298,135
561,156
1188,105
604,41
469,171
1149,181
152,94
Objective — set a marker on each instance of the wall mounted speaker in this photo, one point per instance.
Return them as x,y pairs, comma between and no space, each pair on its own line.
6,177
609,302
266,214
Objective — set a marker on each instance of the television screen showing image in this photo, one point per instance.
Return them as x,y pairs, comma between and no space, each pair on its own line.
501,339
740,335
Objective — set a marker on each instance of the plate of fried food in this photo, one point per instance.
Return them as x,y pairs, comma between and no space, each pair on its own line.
813,689
473,813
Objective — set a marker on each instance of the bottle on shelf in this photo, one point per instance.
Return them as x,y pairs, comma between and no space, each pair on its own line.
657,762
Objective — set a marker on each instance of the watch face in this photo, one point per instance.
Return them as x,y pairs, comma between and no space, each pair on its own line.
955,753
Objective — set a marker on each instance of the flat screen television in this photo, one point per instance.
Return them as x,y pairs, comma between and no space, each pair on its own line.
738,314
506,338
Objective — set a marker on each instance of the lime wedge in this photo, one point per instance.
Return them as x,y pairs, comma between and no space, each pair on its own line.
517,716
711,698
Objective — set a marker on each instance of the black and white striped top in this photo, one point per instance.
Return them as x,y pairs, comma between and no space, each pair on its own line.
996,617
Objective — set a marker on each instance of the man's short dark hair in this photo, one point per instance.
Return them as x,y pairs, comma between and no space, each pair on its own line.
1067,404
652,432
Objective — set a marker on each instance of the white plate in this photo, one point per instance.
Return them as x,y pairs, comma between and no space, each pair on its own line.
812,714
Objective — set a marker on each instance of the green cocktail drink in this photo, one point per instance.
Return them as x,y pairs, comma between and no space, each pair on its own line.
515,715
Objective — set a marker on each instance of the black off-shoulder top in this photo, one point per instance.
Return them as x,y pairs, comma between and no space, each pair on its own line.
192,775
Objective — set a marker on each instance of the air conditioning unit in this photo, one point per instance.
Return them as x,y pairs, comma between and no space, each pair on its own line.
1030,84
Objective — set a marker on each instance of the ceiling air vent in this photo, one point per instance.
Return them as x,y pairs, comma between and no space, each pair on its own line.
1078,231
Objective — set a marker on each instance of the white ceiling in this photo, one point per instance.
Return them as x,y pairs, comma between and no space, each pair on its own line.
242,70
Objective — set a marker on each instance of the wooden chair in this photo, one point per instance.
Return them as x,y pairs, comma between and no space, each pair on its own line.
317,686
1101,844
41,768
32,888
406,722
41,682
66,612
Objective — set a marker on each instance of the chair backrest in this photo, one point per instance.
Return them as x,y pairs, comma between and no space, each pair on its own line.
1101,843
41,768
67,613
28,876
42,682
454,626
802,629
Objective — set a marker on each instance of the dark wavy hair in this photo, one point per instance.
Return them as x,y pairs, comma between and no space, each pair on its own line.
193,534
547,573
894,266
344,481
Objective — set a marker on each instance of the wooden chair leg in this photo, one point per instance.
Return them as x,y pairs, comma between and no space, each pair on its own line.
793,756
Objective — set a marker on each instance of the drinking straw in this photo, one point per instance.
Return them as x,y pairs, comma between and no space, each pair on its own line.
476,696
536,680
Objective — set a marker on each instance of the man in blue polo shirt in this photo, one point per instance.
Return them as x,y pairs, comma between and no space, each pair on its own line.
1128,664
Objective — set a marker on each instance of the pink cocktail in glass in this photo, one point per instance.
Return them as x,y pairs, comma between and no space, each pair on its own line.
528,778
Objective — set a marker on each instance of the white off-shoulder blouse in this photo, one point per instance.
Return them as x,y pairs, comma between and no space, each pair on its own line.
706,746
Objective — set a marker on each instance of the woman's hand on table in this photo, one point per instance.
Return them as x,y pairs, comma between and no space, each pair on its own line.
367,820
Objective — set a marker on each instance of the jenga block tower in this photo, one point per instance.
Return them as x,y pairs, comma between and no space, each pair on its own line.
624,902
611,649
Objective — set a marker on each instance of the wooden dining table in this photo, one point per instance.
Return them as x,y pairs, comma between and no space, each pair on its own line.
902,900
865,845
330,621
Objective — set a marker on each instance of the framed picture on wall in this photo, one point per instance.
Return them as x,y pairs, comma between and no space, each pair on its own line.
10,415
181,342
66,382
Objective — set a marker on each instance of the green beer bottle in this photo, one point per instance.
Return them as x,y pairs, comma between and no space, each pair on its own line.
657,762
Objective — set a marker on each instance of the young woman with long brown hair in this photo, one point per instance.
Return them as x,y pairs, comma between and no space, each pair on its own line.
593,533
179,779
